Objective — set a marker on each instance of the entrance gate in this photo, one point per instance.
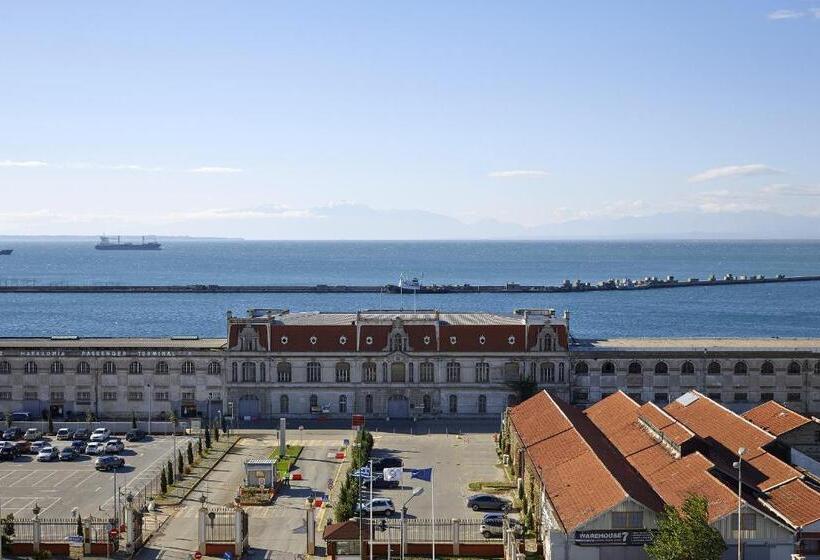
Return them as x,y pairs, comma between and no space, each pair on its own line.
398,407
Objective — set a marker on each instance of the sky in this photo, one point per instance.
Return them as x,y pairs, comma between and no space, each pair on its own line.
271,120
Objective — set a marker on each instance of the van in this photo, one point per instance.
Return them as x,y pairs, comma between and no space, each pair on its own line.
20,416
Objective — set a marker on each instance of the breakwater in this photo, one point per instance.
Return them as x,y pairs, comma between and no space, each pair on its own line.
626,284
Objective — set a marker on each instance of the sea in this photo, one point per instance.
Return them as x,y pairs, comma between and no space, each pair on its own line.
769,310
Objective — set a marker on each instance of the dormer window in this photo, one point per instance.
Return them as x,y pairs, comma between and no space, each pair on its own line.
427,341
453,340
482,340
342,340
248,339
398,342
511,340
313,340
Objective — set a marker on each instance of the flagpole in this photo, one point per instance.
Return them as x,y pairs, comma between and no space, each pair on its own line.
433,499
371,509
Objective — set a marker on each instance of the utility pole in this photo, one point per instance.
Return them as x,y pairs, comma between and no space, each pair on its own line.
738,464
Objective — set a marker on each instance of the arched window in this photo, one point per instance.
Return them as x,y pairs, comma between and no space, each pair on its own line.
234,372
5,368
661,368
547,372
283,372
263,372
426,372
342,372
162,368
109,368
635,367
426,403
135,368
30,367
57,367
453,404
453,372
581,368
482,404
369,372
793,369
368,404
740,368
713,368
248,372
314,402
767,368
314,372
687,368
560,373
214,368
607,368
188,368
398,343
284,404
83,368
342,404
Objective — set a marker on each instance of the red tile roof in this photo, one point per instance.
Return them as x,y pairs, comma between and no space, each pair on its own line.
583,475
797,502
775,418
344,531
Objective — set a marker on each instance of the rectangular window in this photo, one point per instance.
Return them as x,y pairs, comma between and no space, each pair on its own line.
83,396
5,395
134,395
30,395
482,372
661,397
749,521
637,397
57,396
627,519
714,396
580,396
426,372
793,397
188,395
741,397
765,397
161,396
109,395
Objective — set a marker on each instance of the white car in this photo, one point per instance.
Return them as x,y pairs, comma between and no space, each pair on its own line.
114,446
100,434
32,434
380,506
95,448
48,453
37,446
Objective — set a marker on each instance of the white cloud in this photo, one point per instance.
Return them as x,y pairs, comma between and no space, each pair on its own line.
785,14
791,190
111,167
518,173
734,171
214,169
27,163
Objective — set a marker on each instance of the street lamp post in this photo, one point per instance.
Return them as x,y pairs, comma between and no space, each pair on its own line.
413,494
149,408
738,464
208,421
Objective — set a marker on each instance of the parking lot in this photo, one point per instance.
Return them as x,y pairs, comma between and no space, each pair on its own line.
456,461
58,487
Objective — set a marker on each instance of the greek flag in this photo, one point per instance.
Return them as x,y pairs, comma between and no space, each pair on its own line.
363,472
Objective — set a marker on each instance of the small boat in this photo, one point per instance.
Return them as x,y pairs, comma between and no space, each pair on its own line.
6,251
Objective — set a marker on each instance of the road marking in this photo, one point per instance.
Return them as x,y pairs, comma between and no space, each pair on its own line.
22,479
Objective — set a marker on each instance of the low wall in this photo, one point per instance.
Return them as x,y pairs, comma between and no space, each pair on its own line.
477,550
219,549
157,427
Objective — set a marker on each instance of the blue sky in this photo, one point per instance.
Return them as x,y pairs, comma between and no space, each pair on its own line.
243,118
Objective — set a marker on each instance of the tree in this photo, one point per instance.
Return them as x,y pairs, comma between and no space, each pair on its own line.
50,422
169,470
172,418
216,434
523,388
79,525
9,420
685,533
199,446
89,417
163,482
190,453
133,420
180,464
207,439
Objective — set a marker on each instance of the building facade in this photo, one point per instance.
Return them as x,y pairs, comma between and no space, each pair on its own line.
394,364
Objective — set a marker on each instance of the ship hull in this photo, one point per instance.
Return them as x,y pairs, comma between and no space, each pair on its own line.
6,251
128,247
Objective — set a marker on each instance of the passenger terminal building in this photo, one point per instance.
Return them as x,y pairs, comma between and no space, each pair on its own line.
395,364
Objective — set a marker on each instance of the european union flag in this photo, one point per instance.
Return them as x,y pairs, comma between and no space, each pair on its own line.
422,474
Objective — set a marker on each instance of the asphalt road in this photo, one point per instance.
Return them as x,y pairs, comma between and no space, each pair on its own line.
58,487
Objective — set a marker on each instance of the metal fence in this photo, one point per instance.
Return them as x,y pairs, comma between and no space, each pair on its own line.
147,484
23,529
220,526
99,530
56,530
423,530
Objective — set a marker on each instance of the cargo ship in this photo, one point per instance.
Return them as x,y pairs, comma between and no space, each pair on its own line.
107,244
6,251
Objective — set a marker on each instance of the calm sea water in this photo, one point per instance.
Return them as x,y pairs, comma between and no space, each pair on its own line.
767,310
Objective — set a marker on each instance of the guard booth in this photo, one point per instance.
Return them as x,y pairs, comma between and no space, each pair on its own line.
260,473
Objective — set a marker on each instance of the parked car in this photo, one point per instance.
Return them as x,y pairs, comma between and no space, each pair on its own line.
494,527
68,454
78,445
493,515
100,434
8,451
82,434
95,448
135,435
23,446
108,463
36,446
12,434
380,506
21,416
48,453
64,434
487,501
386,463
114,446
33,434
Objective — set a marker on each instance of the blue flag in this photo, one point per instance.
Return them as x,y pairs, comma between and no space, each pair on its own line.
422,474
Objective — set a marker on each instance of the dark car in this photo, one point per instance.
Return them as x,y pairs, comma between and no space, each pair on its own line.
82,434
487,501
109,463
68,454
386,463
8,451
78,445
134,435
13,434
380,483
23,446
